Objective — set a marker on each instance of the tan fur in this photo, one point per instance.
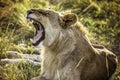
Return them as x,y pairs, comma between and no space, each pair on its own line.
67,53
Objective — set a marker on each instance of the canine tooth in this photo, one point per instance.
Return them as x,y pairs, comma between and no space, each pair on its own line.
28,20
32,21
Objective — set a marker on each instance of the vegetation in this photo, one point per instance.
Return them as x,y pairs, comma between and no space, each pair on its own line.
100,17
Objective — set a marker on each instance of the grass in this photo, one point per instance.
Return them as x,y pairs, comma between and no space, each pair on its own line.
18,72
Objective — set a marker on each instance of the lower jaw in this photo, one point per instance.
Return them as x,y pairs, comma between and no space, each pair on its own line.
39,45
35,44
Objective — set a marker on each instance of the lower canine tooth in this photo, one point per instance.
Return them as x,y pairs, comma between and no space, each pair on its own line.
28,20
32,21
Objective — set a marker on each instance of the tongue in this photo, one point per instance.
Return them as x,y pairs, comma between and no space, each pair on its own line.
38,36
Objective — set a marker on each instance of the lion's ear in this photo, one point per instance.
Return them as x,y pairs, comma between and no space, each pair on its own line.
69,19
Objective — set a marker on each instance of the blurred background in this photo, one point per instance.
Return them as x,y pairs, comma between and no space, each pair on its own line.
101,18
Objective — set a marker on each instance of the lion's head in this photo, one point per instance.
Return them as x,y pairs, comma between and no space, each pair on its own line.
48,24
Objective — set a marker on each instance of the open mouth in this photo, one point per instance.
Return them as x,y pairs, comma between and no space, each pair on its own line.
39,33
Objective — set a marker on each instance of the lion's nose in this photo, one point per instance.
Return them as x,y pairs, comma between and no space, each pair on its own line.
28,12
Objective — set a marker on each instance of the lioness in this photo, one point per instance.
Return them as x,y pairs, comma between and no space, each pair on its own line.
67,53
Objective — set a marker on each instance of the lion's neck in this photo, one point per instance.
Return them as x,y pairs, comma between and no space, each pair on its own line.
67,43
67,40
63,43
52,55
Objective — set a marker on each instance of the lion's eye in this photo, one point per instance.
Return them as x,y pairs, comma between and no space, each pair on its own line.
44,13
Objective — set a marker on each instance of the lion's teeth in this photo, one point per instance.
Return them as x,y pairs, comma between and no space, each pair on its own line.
29,20
32,21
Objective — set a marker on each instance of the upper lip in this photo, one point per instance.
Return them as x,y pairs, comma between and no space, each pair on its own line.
29,12
34,20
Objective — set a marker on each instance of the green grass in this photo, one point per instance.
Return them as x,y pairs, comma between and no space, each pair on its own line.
116,75
18,72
